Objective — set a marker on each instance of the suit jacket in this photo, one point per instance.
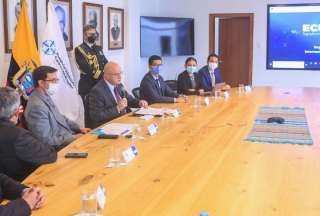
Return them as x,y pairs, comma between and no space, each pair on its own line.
46,122
151,92
20,152
184,83
91,62
205,78
12,190
101,106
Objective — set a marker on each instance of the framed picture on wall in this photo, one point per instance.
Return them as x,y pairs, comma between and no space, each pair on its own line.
63,8
115,28
11,13
93,15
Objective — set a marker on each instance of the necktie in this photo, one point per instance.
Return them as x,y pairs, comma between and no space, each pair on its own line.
158,82
213,78
117,94
118,97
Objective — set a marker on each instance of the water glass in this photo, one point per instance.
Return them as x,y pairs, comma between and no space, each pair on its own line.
241,88
217,93
89,204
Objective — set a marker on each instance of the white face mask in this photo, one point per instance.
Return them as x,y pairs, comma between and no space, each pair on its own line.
213,66
53,88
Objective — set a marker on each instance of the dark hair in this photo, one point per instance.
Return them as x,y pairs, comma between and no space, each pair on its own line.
40,73
212,55
154,58
88,27
191,59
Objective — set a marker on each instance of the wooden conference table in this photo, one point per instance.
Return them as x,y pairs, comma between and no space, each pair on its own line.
197,162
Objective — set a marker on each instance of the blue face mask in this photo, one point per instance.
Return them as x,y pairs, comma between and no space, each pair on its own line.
191,69
156,70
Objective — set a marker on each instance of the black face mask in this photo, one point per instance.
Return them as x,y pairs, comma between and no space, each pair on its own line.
92,39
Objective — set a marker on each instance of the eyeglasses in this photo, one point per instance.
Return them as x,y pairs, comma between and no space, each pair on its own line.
116,74
52,80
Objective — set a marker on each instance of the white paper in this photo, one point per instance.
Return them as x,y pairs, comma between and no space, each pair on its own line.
148,111
172,112
146,117
118,128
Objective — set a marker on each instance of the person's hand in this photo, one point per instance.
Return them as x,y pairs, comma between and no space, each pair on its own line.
122,104
143,104
41,198
85,130
31,196
226,87
182,99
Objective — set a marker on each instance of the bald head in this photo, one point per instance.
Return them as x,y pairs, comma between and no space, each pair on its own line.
112,73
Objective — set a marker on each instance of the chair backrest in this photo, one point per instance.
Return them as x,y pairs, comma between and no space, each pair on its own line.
136,92
173,84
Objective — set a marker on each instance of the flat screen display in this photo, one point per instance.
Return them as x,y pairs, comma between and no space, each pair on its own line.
166,36
293,37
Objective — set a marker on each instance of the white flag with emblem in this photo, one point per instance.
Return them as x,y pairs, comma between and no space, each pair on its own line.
53,53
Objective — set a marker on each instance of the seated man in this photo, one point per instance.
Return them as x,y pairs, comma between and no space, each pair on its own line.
210,75
108,99
20,152
23,199
42,116
188,83
154,89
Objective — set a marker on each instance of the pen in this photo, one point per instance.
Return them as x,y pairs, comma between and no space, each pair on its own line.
124,132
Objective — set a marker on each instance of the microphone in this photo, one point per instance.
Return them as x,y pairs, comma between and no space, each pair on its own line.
121,90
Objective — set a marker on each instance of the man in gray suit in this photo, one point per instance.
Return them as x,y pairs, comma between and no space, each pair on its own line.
108,99
43,118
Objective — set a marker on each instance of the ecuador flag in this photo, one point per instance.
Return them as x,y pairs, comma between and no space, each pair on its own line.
25,57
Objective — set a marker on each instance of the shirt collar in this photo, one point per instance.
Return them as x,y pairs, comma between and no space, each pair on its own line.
111,87
156,77
89,45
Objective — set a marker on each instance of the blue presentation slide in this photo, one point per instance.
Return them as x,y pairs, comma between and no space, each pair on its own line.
294,37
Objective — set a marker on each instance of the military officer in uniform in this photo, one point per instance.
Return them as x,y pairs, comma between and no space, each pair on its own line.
90,60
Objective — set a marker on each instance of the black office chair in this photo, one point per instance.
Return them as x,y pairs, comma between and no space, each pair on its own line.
173,84
136,92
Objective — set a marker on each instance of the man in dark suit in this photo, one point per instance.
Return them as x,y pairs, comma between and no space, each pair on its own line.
90,60
23,199
43,118
154,89
20,152
188,83
108,99
210,75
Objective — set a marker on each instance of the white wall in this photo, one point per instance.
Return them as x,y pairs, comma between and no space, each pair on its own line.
119,56
201,9
135,67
